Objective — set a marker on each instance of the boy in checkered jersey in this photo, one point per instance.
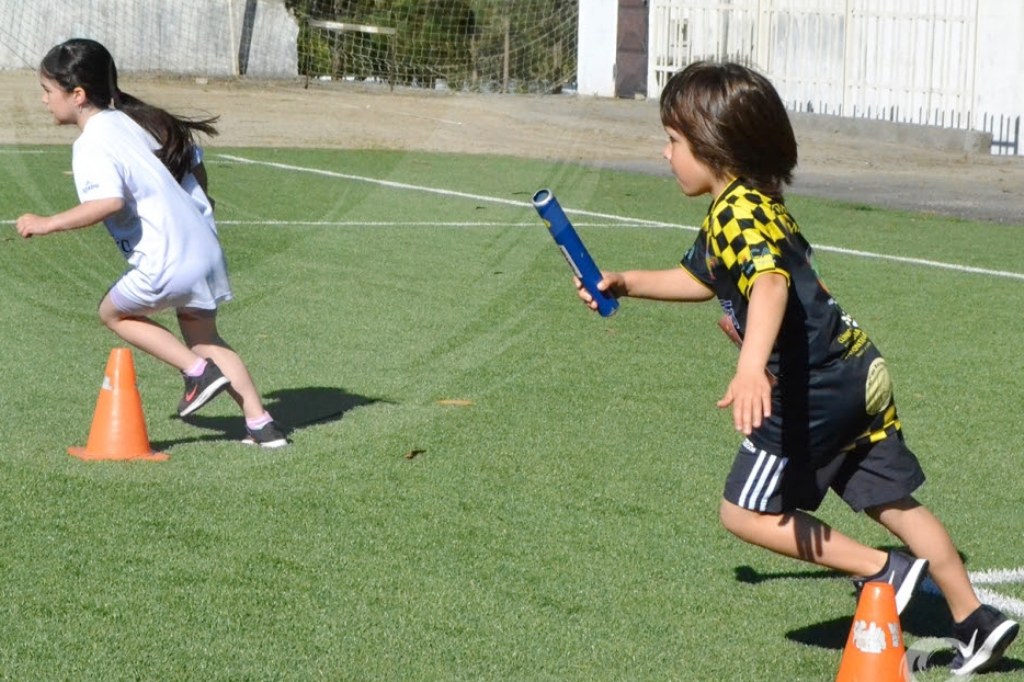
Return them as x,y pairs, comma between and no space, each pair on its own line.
811,393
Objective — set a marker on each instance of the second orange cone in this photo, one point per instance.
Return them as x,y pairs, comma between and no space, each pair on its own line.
875,651
118,425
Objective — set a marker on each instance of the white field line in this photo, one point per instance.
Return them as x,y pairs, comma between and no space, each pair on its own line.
638,222
410,223
444,192
995,577
998,576
1008,605
922,261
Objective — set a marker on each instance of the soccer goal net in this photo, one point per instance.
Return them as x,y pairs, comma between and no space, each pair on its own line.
483,45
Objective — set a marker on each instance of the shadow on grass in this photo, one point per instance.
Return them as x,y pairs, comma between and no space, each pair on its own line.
293,409
751,576
927,622
926,616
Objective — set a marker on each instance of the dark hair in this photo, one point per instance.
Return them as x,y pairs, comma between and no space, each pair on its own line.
734,121
86,64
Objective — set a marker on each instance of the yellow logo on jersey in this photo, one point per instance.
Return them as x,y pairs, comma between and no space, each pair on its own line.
764,262
878,388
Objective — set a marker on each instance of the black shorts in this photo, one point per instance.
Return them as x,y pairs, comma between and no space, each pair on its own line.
870,475
841,432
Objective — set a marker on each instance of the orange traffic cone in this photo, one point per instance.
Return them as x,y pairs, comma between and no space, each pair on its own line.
875,651
118,425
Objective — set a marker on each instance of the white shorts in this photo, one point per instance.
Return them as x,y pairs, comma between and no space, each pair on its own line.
201,286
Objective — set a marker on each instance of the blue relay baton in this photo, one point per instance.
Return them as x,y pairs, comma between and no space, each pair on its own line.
573,249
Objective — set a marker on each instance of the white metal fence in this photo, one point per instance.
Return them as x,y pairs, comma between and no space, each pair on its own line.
911,61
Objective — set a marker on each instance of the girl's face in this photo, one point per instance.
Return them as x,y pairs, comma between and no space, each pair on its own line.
65,106
694,177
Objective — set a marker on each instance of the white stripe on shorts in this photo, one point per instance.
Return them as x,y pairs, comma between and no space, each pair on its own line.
762,481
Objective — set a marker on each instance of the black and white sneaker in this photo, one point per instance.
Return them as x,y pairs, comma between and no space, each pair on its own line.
903,572
981,640
202,389
267,436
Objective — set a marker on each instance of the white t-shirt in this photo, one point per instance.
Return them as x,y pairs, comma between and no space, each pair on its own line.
174,255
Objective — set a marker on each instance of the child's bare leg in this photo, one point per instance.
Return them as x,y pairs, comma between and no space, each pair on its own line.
802,536
928,539
199,328
147,335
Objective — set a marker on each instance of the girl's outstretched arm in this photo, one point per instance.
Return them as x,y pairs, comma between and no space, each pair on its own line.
83,215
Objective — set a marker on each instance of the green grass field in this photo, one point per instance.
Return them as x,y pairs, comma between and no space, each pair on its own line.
487,481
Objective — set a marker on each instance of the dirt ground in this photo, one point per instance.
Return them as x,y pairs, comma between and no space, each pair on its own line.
608,132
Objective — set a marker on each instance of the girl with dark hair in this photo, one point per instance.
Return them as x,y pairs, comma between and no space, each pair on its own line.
811,393
138,170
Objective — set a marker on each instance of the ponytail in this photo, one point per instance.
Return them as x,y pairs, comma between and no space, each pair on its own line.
174,134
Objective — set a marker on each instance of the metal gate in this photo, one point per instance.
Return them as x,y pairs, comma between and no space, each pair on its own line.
910,61
631,49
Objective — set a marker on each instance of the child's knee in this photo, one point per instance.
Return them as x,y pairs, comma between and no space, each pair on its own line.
208,346
882,512
108,316
734,518
199,329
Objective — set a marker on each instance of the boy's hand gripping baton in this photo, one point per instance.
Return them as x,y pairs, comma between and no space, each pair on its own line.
573,249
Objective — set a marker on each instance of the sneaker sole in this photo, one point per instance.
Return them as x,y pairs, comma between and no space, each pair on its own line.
910,582
279,443
991,651
206,396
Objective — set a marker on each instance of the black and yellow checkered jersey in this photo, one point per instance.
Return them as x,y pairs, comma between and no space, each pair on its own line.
747,234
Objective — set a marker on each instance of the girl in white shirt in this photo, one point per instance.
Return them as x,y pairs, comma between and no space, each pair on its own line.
138,170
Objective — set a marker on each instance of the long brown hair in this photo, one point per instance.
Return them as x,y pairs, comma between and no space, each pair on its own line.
734,121
86,64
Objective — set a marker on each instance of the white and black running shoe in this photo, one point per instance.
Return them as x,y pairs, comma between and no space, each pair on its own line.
903,572
267,436
981,640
